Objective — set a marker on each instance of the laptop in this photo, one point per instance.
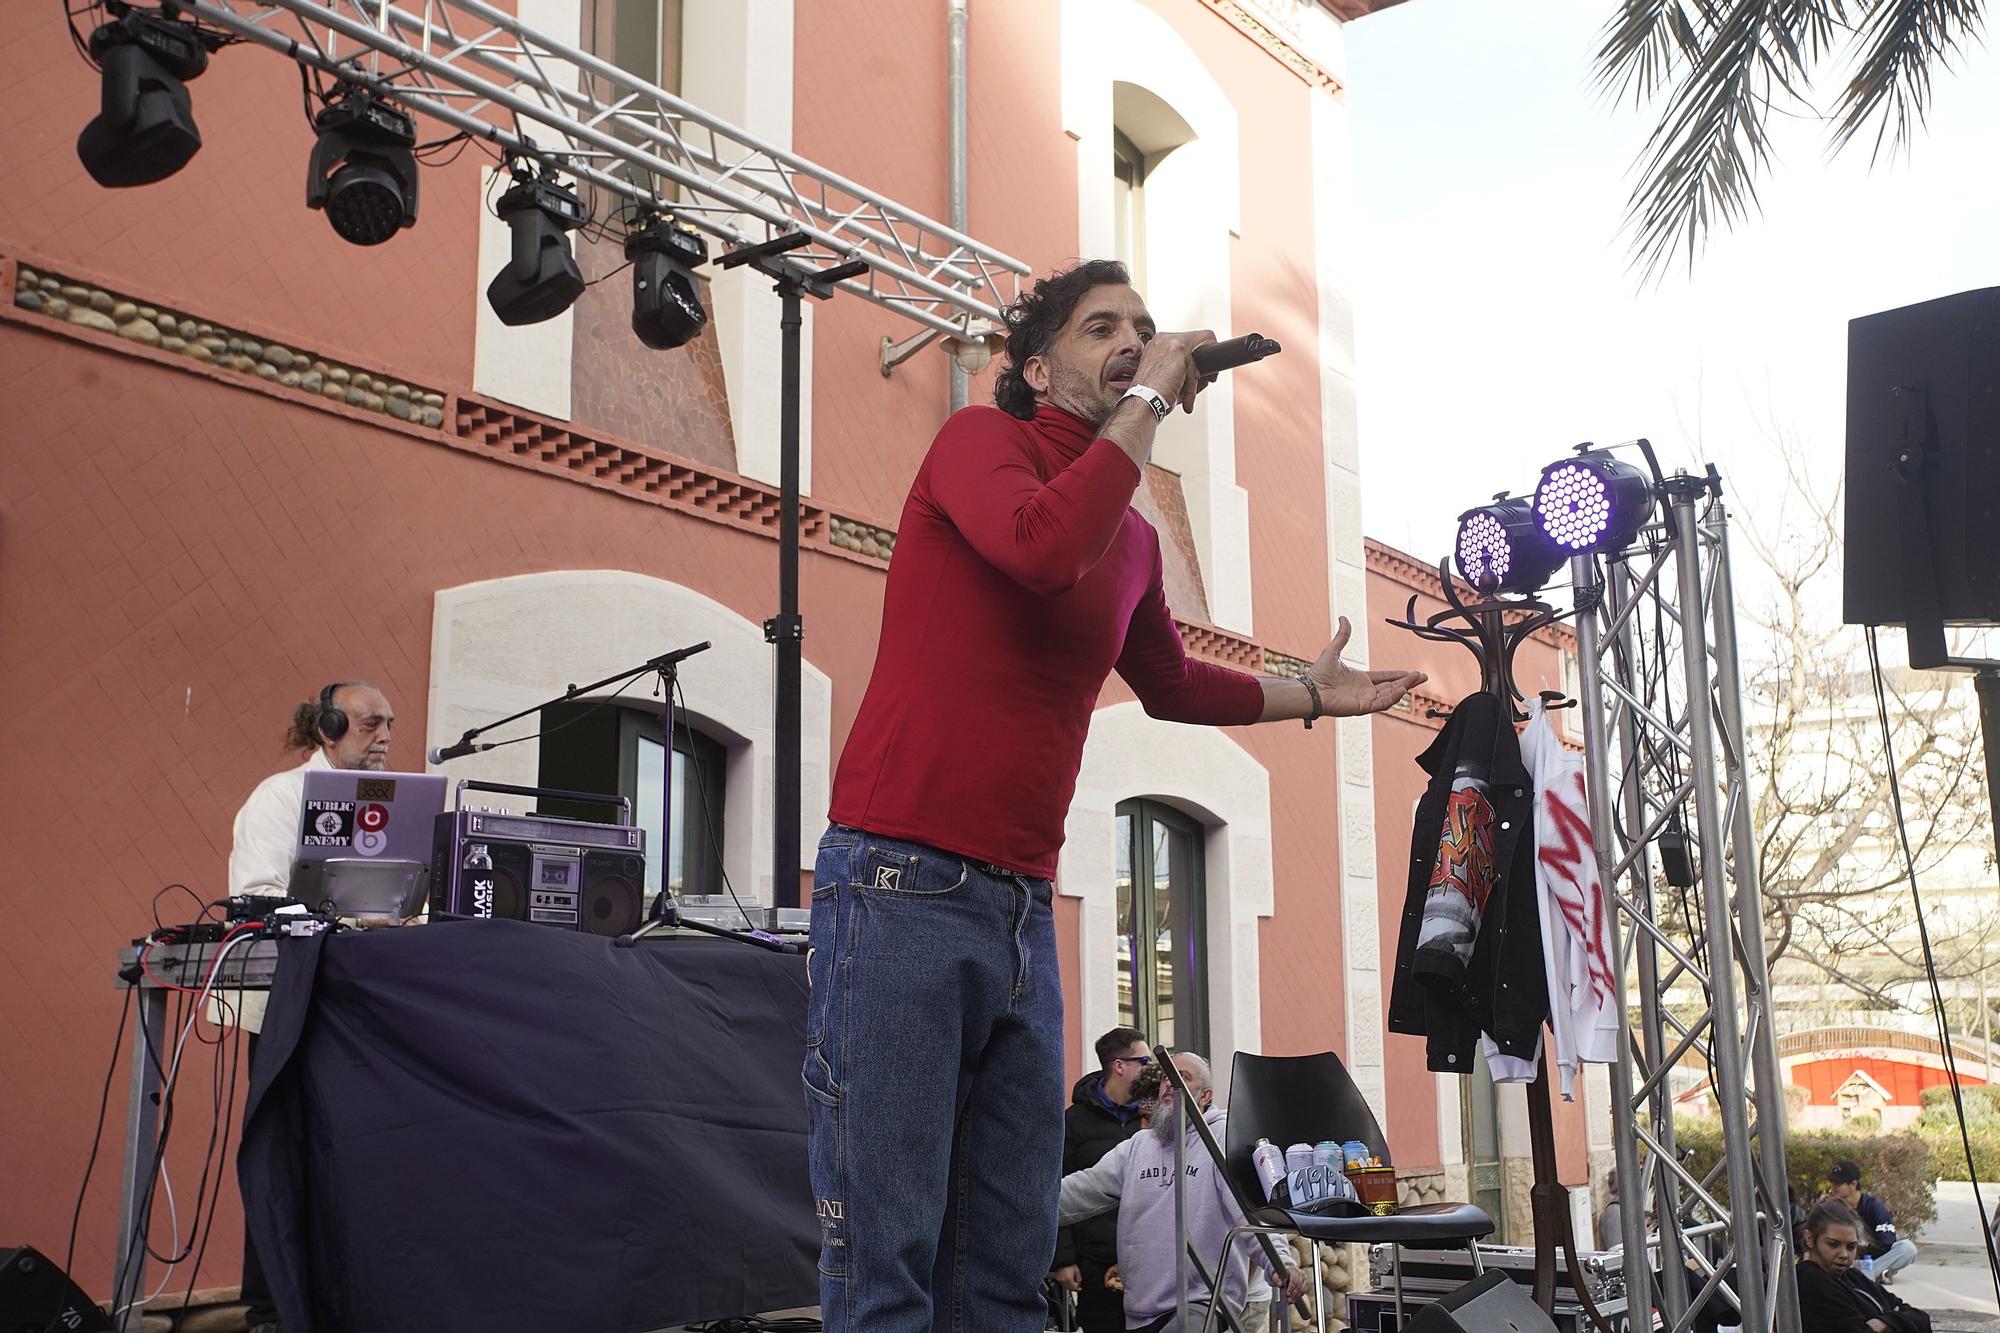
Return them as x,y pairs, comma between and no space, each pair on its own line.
365,841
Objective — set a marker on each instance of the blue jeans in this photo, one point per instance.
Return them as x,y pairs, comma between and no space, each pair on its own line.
934,1093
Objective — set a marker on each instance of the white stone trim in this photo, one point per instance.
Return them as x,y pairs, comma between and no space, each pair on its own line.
1207,776
1193,202
1363,976
528,366
736,63
506,644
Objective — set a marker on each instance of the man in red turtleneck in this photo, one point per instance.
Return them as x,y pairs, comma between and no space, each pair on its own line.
1022,578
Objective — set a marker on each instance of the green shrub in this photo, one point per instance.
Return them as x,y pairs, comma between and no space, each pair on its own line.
1937,1125
1897,1168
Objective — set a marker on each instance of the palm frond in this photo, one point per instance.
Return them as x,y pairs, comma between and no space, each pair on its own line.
1701,163
1902,42
1643,46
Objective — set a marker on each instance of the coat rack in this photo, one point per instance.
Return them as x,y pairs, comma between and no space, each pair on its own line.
1494,628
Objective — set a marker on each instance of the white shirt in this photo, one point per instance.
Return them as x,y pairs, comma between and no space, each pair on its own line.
266,840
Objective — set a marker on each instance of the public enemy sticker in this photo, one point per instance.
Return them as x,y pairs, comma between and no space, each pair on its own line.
328,824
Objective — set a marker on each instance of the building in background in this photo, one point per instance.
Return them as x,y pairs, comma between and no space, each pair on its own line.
244,458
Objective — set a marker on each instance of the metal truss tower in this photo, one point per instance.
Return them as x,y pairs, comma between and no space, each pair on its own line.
1671,813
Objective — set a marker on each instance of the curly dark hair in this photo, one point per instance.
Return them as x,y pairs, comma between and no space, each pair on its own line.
1037,316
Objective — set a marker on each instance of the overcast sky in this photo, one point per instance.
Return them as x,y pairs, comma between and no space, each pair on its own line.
1497,320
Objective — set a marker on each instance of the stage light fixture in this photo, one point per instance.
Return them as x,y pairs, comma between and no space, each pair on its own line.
144,129
1592,502
541,280
1501,549
362,172
666,294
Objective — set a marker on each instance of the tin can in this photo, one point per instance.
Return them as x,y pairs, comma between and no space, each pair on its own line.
1328,1153
1269,1159
1375,1186
1298,1157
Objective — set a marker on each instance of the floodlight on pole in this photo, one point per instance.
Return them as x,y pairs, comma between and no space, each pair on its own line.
541,280
144,130
666,295
1593,502
362,171
1501,548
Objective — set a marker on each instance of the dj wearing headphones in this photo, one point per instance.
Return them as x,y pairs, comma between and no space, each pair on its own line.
347,726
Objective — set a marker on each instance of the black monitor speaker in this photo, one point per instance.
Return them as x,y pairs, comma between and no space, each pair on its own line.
1923,466
1494,1303
35,1295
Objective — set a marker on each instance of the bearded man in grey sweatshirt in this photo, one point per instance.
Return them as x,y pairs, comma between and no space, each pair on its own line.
1137,1179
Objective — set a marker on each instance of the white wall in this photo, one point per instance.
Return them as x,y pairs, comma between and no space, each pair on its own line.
736,64
527,366
1204,774
506,644
1193,201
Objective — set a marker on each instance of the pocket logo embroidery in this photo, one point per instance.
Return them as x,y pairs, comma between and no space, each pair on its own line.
888,878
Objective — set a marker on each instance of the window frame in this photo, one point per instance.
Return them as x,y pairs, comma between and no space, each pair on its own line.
1193,1030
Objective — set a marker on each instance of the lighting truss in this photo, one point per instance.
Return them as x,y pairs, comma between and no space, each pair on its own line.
482,72
1664,732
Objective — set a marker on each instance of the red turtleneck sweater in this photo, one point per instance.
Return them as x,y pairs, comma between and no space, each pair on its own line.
1022,577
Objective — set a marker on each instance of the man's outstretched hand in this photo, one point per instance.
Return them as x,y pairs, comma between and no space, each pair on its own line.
1347,691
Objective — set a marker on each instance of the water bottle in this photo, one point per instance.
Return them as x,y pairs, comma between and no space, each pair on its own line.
1867,1266
1269,1159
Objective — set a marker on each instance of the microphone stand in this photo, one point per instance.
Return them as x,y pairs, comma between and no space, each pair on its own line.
666,912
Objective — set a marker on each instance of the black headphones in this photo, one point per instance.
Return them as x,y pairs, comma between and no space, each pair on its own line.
332,722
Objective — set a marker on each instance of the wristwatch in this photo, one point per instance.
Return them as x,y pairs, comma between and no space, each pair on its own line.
1151,398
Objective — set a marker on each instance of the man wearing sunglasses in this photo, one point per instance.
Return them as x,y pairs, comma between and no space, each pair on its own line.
1103,1113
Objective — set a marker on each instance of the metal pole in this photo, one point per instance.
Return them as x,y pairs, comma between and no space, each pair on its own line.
1180,1216
1673,1291
787,631
955,19
1726,1045
1768,1096
142,1126
1597,769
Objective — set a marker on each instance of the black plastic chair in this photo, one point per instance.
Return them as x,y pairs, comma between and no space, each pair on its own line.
1307,1099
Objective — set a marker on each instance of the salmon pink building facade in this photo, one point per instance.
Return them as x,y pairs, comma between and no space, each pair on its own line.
243,458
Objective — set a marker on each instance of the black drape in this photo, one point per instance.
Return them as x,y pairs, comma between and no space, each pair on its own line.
497,1126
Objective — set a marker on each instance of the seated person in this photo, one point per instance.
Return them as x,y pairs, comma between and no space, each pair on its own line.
1137,1179
1833,1295
1878,1225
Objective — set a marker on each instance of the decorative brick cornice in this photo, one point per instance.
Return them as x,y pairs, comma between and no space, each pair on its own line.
521,438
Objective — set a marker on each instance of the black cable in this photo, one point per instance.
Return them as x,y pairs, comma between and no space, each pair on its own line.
1930,961
226,1100
707,818
96,1137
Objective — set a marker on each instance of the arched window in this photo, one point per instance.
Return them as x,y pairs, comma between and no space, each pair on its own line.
1162,925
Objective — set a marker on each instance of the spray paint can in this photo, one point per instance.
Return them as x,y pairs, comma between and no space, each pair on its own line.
1269,1160
1298,1157
1328,1153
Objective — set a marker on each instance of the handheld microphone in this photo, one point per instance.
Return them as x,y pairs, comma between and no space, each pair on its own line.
1236,352
437,754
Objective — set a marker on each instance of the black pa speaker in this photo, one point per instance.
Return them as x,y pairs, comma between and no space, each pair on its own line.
1494,1303
36,1295
1923,464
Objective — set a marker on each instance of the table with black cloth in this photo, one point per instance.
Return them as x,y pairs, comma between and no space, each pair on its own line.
498,1126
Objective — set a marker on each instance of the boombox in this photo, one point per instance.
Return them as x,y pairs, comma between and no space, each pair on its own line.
567,873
